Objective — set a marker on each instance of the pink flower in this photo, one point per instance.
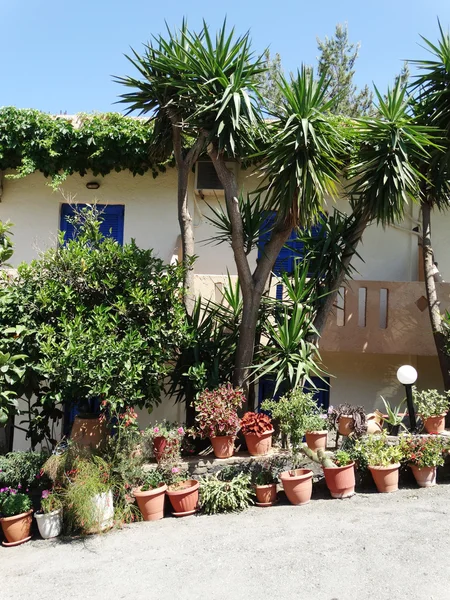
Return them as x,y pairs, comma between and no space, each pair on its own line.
175,470
156,430
180,430
45,494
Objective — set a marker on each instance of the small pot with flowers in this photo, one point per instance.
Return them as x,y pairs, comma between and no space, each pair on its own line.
257,429
432,408
217,417
150,495
164,440
181,490
50,518
424,455
16,516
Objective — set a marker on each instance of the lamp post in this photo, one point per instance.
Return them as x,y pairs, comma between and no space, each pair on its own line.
407,375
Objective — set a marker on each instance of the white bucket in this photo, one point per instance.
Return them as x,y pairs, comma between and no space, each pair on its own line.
49,524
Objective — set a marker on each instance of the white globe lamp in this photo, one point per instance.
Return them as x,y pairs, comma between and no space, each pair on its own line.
407,375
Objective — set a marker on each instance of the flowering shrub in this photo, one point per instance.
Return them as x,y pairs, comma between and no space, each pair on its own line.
50,501
170,436
430,403
255,423
217,411
425,451
12,504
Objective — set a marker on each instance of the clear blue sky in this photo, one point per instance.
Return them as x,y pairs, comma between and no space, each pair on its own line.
59,55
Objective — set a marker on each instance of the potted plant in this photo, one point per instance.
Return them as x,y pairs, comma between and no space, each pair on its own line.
50,517
16,516
264,477
227,491
257,429
338,469
349,420
383,461
150,495
316,430
164,440
432,408
182,491
217,418
296,413
424,455
393,418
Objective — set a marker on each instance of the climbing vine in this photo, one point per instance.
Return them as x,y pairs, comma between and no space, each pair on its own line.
59,146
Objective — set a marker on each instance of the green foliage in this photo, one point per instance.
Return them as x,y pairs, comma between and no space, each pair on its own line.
95,320
336,61
152,480
34,141
6,245
342,458
22,470
430,403
425,451
218,496
15,504
268,80
50,501
393,417
377,452
294,412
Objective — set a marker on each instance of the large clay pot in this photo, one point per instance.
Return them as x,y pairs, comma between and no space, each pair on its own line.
151,502
386,478
223,446
340,480
425,476
435,424
16,529
184,498
266,495
297,485
317,440
345,425
50,524
88,432
257,445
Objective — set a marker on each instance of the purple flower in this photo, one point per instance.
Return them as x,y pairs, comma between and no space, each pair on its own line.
38,476
180,430
175,470
45,494
19,487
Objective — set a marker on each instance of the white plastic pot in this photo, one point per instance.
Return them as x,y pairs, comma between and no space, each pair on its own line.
49,524
103,510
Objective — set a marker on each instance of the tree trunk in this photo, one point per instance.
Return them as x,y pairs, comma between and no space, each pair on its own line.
187,236
434,311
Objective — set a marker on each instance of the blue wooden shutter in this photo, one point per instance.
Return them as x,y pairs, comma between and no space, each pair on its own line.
112,216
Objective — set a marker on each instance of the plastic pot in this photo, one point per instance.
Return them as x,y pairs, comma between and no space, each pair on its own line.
151,502
50,524
297,485
257,445
385,478
184,498
17,529
317,440
223,445
340,480
425,476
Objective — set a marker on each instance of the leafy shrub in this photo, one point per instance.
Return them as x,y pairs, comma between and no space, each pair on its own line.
225,496
217,411
255,423
430,403
50,501
342,458
152,480
95,320
425,451
15,504
377,452
22,470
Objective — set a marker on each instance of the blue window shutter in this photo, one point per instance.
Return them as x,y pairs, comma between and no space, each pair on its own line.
112,216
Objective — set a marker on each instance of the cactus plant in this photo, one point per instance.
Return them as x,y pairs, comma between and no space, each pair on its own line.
319,457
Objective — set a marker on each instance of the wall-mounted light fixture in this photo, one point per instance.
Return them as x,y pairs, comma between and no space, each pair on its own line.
92,185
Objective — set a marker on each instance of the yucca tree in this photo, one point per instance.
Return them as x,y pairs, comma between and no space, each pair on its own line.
431,89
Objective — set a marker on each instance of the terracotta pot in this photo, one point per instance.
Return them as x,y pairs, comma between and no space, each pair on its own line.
257,445
297,485
425,476
151,502
223,445
317,440
184,498
163,446
340,481
16,529
50,524
88,432
386,478
435,424
345,425
266,494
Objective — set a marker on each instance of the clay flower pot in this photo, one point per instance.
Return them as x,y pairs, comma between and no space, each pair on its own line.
425,476
88,432
16,529
151,502
340,481
50,524
163,446
345,425
316,440
297,485
385,478
257,445
435,424
184,498
266,495
223,445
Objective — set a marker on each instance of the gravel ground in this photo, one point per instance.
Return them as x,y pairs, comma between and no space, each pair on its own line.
371,546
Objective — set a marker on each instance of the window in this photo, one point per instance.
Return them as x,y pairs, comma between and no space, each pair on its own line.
112,224
321,393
